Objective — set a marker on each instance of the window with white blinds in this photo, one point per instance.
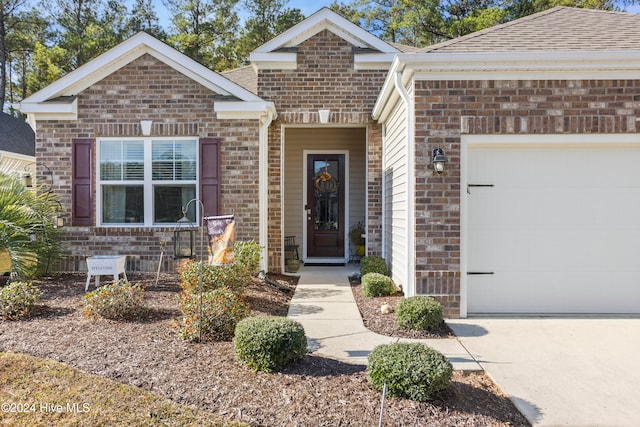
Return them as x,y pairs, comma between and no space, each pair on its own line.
146,181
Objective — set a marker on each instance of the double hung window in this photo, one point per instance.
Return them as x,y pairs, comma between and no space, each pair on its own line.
146,181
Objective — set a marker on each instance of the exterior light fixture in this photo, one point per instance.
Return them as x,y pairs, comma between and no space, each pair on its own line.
438,160
145,127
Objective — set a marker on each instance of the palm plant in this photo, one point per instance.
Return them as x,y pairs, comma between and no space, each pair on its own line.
27,231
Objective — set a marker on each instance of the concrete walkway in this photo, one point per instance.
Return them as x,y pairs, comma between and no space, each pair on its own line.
323,303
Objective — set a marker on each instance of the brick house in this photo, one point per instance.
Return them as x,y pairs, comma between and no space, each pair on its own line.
535,211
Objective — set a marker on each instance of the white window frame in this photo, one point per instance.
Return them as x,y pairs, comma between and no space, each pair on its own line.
147,183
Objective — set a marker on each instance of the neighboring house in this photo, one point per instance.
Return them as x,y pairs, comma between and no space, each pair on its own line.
536,210
17,146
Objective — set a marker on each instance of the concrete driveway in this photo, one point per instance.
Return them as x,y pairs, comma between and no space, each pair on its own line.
569,372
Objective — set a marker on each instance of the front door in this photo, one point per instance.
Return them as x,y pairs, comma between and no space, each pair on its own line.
325,205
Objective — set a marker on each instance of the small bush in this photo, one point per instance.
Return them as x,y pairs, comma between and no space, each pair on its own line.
373,264
18,299
420,313
411,370
222,309
376,285
268,343
120,300
232,276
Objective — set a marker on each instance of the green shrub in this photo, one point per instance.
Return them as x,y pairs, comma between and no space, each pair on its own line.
119,300
420,313
411,370
221,310
373,264
376,285
18,299
232,276
268,343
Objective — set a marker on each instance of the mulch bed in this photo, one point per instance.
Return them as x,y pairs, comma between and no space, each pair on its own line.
147,353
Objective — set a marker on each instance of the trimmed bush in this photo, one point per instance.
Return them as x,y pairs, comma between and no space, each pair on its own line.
376,285
268,343
411,370
233,276
222,309
119,300
373,264
420,312
18,299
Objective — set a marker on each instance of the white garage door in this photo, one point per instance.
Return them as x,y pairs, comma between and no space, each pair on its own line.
553,229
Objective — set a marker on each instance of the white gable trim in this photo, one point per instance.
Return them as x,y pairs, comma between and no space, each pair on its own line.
116,58
268,56
322,20
244,109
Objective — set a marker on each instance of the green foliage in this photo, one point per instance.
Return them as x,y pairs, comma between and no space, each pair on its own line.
27,229
376,285
221,311
373,264
411,370
120,300
419,312
233,276
268,343
18,299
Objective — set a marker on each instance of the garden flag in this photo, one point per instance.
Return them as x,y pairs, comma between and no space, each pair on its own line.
221,231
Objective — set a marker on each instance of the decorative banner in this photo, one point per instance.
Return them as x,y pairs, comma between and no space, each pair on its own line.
221,231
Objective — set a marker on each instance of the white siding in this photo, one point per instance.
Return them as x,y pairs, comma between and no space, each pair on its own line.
396,193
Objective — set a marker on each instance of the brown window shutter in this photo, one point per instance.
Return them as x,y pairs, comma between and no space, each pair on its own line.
210,175
81,183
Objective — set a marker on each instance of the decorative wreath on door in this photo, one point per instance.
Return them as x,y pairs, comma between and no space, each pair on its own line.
325,183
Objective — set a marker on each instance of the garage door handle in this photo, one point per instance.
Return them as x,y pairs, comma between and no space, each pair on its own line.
477,273
469,186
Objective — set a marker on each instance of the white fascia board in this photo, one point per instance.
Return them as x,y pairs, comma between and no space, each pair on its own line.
321,20
243,109
49,110
388,94
373,61
274,60
516,65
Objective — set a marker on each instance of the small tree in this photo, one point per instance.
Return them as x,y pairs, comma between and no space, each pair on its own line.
27,229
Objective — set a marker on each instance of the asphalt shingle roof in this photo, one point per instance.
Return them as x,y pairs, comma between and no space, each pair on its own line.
559,28
16,136
245,77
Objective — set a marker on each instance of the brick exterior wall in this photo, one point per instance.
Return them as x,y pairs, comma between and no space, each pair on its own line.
447,109
324,79
149,89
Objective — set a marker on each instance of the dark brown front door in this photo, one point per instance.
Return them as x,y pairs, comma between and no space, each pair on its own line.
325,205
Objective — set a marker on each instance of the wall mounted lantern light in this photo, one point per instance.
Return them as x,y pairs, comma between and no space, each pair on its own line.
29,173
438,160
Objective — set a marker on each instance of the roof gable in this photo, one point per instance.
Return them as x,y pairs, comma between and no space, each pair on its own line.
279,53
16,136
57,101
558,28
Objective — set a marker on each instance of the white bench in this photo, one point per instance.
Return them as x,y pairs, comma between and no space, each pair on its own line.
107,265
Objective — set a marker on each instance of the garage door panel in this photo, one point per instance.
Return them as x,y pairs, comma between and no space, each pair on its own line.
518,250
559,222
544,292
